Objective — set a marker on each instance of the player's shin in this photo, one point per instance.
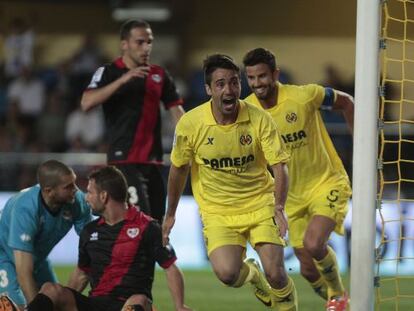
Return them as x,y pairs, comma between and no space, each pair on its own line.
329,269
320,288
285,299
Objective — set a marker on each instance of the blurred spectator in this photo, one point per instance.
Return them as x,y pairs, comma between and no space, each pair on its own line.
174,71
27,92
85,130
6,144
334,79
334,120
3,98
83,64
63,86
197,92
50,126
18,48
15,129
88,57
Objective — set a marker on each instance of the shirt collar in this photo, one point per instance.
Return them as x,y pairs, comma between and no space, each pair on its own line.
119,62
281,97
131,214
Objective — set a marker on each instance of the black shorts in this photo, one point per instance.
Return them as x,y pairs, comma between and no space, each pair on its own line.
146,188
84,303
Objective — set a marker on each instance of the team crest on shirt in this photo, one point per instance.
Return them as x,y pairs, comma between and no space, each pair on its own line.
246,139
291,117
133,232
156,78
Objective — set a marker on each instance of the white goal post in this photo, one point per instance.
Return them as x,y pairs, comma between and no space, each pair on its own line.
365,155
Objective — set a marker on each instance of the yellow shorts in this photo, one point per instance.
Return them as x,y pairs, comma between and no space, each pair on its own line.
330,201
256,227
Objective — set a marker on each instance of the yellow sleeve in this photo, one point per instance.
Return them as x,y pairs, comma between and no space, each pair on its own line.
273,148
315,95
182,152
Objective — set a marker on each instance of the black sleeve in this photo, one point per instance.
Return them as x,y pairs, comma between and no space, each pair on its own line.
83,258
164,256
100,78
170,96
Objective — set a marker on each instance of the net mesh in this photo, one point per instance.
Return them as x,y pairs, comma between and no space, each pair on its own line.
395,252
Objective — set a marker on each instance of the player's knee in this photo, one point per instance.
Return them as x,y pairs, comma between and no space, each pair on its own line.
308,272
136,307
276,277
228,277
52,290
135,302
314,246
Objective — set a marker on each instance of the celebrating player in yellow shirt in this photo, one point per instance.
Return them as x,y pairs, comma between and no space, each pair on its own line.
319,186
229,144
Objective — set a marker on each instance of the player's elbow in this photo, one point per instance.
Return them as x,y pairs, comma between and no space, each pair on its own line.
86,102
344,101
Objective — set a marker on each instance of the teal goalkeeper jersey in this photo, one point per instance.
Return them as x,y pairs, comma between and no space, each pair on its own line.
26,224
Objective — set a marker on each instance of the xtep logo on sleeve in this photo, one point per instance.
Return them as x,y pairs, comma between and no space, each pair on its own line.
209,140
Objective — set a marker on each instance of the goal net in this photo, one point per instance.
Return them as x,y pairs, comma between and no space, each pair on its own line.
394,273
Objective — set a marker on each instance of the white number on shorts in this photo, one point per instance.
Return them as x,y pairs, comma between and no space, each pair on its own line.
4,281
133,195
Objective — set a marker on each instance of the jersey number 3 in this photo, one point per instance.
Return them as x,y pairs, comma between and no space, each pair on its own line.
133,195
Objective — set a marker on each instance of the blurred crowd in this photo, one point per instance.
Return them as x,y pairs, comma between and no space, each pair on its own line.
40,111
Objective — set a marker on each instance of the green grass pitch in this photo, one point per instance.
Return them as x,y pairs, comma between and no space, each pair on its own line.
205,293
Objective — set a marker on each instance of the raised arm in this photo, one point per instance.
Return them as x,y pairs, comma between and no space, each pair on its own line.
94,97
345,103
176,183
24,269
280,173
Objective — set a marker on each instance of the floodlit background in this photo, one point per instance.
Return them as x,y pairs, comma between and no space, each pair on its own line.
65,41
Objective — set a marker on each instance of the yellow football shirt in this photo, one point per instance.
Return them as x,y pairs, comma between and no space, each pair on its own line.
229,173
314,161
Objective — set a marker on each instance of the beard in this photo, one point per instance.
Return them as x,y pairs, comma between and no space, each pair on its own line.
97,210
63,200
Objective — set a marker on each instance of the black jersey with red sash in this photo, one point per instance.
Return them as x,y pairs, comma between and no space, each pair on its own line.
132,113
120,259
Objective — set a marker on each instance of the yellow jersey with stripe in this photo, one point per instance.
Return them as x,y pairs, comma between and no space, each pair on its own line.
229,174
314,160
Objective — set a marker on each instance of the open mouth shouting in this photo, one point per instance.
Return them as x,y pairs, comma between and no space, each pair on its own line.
229,104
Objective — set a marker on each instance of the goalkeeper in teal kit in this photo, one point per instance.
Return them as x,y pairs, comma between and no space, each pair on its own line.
31,223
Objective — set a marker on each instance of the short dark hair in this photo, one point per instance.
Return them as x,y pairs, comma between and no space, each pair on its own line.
49,173
111,180
260,56
216,61
127,26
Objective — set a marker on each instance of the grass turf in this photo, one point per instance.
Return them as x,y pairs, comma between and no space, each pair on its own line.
205,293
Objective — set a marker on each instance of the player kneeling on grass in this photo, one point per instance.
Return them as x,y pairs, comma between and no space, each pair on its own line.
32,222
117,255
229,144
